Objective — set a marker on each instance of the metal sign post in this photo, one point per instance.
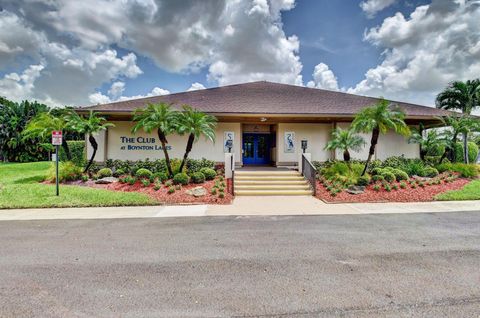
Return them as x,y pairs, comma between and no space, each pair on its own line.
56,141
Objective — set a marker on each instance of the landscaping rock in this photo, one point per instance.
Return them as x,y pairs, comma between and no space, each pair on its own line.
356,189
106,180
197,192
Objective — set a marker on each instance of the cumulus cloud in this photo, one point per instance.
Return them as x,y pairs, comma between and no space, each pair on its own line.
236,41
19,86
324,78
372,7
115,94
436,44
195,87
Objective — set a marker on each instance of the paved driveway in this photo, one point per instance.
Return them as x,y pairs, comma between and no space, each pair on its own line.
305,266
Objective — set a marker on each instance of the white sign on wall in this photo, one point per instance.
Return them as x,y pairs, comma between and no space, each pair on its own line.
228,140
289,142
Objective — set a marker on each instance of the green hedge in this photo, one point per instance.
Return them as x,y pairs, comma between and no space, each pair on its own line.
77,150
472,152
158,165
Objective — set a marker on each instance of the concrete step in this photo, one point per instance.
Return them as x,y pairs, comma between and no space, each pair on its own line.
267,173
272,187
269,178
270,182
272,192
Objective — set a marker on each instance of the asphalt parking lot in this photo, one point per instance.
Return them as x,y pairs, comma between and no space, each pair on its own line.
424,265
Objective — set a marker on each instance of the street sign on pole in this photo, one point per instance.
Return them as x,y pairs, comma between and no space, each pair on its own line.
56,141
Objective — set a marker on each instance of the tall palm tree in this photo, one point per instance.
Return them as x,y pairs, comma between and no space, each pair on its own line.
345,140
432,140
160,117
90,125
458,125
42,126
463,96
379,119
195,123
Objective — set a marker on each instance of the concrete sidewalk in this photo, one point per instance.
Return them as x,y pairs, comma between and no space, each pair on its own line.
259,206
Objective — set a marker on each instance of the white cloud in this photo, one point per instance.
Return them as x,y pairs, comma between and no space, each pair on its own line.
436,44
195,87
20,86
324,78
115,94
372,7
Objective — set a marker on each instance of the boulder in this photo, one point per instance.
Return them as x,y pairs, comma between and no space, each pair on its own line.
197,191
106,180
354,189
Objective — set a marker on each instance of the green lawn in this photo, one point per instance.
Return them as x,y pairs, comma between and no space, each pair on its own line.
20,188
470,191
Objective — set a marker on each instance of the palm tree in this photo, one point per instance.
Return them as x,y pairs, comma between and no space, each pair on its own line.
160,117
379,119
42,126
432,140
458,125
195,123
463,96
345,140
90,125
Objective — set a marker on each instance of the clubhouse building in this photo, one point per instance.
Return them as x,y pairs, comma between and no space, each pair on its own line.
262,123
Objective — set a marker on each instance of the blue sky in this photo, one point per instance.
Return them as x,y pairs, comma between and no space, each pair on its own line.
94,51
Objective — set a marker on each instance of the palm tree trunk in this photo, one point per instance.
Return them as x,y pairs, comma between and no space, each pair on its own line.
164,142
66,149
94,144
346,155
465,147
371,151
423,153
191,139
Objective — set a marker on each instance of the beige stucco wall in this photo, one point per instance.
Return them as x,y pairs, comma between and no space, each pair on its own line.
116,148
360,155
101,150
317,136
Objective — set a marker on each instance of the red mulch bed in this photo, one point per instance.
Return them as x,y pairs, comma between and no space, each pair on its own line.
418,194
178,197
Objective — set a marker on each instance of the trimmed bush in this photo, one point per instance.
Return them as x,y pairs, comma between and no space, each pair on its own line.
465,170
209,173
198,177
430,172
171,189
399,174
157,186
181,178
194,165
104,172
143,173
77,150
363,180
377,177
472,152
119,172
161,176
388,176
168,183
67,171
145,182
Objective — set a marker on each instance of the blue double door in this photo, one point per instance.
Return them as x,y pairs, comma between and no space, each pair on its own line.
256,149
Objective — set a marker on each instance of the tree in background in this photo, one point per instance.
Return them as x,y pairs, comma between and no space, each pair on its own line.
345,140
160,117
463,96
429,142
379,119
457,124
194,123
42,126
13,120
90,125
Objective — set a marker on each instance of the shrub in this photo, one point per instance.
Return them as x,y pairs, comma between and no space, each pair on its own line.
465,170
387,187
414,168
395,187
77,151
221,195
430,172
376,187
104,172
213,191
377,177
84,178
161,176
400,175
198,177
131,180
388,176
403,185
145,182
157,186
195,165
171,189
363,180
143,173
209,173
376,171
168,183
67,171
421,184
119,172
472,152
181,178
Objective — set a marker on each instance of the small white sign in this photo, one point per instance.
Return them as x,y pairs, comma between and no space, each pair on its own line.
228,140
289,142
56,138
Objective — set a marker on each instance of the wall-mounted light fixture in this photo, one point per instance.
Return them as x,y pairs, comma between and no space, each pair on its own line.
263,119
